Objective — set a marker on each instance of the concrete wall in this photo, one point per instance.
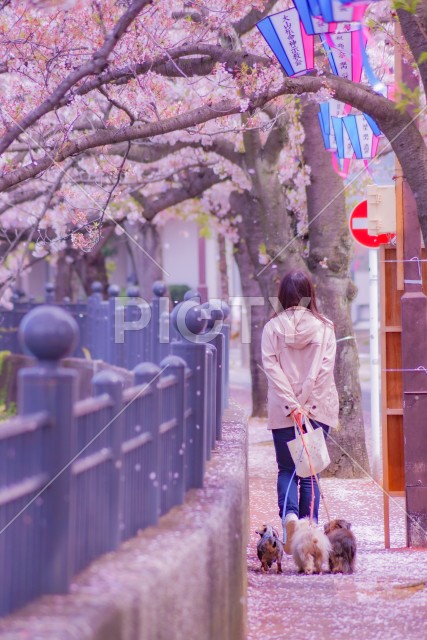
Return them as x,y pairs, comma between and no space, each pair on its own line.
185,579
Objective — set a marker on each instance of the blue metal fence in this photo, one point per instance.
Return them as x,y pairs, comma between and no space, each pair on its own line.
79,477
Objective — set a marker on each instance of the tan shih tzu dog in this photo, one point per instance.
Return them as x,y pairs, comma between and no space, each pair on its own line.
310,547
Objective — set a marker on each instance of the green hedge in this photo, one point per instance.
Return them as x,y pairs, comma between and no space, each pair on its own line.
177,292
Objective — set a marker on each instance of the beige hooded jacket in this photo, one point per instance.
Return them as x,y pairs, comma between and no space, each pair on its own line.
298,355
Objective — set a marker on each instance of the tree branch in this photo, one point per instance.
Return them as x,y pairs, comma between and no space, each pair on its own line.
193,184
226,149
97,63
248,22
169,64
20,196
146,152
391,122
277,138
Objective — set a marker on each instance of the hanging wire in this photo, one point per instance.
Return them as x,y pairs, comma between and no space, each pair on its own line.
419,369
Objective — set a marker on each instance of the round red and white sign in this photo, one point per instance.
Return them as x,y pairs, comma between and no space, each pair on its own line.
359,228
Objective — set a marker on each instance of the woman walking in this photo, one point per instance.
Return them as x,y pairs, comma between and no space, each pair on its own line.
298,355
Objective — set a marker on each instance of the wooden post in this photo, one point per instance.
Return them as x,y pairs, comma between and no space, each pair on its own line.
391,384
414,347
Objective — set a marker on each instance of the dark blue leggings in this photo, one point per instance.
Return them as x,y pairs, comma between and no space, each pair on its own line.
301,506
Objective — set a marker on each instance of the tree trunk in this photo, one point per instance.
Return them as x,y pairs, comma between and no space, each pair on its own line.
91,268
268,247
329,262
256,229
145,248
258,316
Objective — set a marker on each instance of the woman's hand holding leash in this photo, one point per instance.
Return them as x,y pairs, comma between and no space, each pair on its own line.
297,415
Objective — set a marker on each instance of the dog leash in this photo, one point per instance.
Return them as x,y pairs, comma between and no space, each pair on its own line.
322,495
286,502
299,425
313,474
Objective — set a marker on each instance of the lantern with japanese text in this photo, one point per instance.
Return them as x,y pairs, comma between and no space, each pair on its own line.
289,41
356,136
344,51
364,135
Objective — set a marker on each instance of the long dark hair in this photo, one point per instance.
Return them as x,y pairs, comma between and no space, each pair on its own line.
296,289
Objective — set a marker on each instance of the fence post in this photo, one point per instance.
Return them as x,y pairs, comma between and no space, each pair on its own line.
194,354
211,398
147,374
133,339
49,333
94,326
165,335
226,332
109,382
172,454
213,315
115,349
156,330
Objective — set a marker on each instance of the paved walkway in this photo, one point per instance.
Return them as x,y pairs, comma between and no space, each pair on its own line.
385,599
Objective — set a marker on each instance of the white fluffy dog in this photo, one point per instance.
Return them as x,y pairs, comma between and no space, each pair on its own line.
310,547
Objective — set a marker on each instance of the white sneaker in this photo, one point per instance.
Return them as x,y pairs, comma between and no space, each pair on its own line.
289,529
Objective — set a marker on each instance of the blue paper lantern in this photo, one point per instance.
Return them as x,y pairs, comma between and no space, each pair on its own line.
363,133
328,137
356,136
336,11
290,43
325,13
344,51
332,108
313,22
344,146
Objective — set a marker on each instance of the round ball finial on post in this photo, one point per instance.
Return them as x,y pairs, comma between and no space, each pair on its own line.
96,287
159,288
188,319
113,291
146,373
212,313
48,333
132,291
192,294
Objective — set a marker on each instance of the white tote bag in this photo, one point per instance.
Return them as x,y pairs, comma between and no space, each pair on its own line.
315,450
